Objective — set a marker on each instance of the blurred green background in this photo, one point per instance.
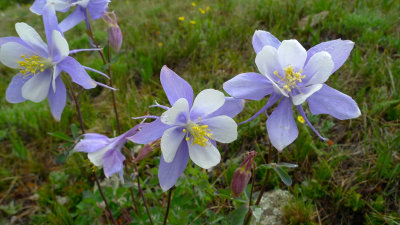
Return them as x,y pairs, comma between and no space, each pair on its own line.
356,181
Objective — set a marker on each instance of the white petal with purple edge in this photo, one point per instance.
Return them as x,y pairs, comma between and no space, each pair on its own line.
281,127
10,54
292,53
170,142
59,5
31,37
96,157
305,93
267,62
231,108
37,88
223,128
207,102
205,157
178,114
333,102
60,46
318,68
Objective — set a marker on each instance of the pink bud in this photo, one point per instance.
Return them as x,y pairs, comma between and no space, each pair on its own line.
114,32
242,175
240,179
146,150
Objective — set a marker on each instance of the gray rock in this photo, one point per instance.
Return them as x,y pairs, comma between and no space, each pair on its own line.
270,211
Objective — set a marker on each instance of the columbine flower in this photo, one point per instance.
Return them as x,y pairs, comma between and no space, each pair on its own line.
40,65
106,152
95,8
189,128
291,74
114,32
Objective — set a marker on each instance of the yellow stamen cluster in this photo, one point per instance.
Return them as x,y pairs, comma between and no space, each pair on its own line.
291,77
31,64
199,133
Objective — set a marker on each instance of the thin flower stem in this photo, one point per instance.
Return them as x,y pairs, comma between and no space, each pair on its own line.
135,208
78,109
266,177
104,198
141,193
248,216
168,206
106,62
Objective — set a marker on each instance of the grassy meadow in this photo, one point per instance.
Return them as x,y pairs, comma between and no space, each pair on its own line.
355,181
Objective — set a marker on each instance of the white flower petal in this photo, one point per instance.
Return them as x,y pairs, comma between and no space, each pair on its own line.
223,128
306,92
267,63
318,68
170,142
205,157
97,157
292,53
178,114
60,45
37,88
10,54
59,5
30,36
206,102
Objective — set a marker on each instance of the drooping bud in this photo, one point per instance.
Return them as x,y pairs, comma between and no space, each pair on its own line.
146,150
242,175
114,32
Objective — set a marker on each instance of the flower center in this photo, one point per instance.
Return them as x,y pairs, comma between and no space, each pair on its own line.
32,64
199,133
291,77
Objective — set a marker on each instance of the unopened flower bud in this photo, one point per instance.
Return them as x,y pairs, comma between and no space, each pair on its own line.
242,175
146,150
114,32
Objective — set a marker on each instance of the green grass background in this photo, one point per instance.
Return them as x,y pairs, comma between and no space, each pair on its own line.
356,181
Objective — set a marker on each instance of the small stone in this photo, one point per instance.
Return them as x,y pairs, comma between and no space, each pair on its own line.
272,204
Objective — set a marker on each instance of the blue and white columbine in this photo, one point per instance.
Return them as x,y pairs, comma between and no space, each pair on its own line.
291,74
84,9
190,127
40,65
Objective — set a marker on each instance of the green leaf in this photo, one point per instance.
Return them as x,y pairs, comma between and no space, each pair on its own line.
74,131
283,175
61,136
287,165
257,212
237,216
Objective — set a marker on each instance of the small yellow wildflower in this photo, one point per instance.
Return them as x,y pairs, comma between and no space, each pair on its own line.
208,8
160,44
202,11
301,119
193,3
193,22
181,18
